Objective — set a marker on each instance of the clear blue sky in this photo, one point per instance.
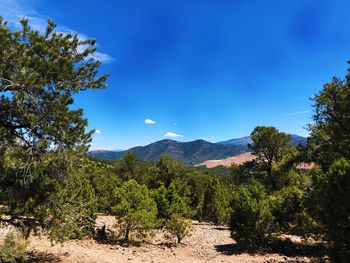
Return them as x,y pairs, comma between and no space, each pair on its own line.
201,69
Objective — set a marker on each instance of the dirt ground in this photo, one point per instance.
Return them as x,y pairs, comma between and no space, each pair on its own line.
207,243
237,159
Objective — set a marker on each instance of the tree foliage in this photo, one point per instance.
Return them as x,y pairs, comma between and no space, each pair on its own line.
135,210
268,146
330,133
330,149
169,202
335,208
39,74
127,168
168,170
251,220
216,203
178,227
13,249
42,138
73,209
104,181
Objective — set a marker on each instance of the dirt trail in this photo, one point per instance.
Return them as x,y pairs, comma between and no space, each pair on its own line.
207,243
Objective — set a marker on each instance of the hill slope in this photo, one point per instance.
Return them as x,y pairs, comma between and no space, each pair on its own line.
237,159
187,152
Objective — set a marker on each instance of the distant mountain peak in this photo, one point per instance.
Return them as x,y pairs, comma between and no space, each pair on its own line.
190,153
244,141
187,152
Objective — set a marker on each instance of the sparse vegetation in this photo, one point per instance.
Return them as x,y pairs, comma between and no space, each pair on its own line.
13,249
179,227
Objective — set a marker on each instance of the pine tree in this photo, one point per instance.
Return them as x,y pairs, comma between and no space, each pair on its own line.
43,141
251,219
268,146
169,202
216,203
135,210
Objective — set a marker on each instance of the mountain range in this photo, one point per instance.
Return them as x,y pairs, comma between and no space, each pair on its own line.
190,153
244,141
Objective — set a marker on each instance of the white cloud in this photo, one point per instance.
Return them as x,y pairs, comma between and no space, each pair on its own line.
105,58
98,131
13,10
173,135
149,121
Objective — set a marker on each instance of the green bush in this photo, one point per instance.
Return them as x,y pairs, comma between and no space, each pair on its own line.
74,209
136,211
251,219
104,181
178,227
169,202
216,203
291,214
335,208
13,249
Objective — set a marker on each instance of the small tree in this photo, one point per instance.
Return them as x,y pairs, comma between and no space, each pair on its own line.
169,202
135,209
168,170
197,183
216,203
179,227
127,168
269,145
251,218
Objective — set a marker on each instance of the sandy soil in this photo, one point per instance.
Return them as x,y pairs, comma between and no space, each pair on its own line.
207,243
245,157
237,159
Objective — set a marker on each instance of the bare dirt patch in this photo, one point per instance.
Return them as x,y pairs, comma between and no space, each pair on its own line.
237,159
208,243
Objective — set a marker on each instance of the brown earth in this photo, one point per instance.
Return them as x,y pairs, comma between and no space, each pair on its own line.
208,243
245,157
237,159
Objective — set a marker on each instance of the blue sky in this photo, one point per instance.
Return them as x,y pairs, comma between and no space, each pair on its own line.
201,69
